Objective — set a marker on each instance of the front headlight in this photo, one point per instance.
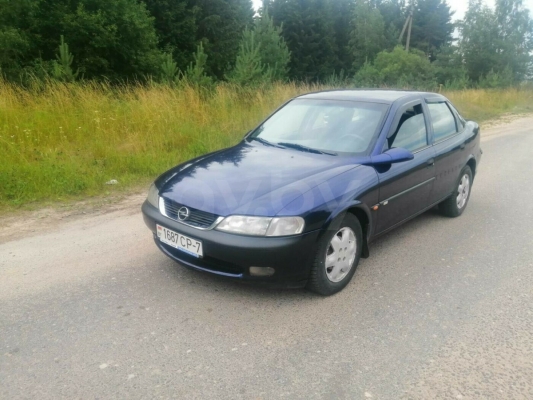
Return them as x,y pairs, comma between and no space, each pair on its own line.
153,196
256,226
285,226
262,226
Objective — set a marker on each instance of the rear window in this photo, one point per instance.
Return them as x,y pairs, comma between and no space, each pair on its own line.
460,120
443,121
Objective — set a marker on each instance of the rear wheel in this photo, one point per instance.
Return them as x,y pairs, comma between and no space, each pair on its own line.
337,256
454,205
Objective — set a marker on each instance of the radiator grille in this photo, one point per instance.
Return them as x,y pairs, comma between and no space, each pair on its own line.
196,218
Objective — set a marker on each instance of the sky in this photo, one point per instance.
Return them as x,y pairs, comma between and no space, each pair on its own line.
458,5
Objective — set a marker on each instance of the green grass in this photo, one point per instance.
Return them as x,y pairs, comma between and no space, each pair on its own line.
60,142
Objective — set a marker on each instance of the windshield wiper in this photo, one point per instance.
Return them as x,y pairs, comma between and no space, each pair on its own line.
305,148
266,142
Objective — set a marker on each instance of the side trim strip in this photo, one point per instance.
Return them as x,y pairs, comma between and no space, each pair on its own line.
422,148
406,219
386,201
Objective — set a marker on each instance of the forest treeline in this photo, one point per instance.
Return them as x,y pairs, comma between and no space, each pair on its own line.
205,41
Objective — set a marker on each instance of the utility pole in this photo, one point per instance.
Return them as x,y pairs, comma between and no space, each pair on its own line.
409,31
409,26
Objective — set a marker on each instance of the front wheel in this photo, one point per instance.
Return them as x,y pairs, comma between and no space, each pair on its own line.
337,256
454,205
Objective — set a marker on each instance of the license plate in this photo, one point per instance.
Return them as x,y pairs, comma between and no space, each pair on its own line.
180,242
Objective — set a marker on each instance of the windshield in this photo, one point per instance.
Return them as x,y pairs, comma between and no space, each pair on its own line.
323,125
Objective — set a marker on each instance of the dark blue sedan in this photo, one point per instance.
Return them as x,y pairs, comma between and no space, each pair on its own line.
297,202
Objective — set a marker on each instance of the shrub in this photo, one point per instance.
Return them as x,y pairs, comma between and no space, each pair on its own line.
495,79
398,68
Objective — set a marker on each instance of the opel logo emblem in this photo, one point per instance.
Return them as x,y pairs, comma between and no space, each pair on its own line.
183,213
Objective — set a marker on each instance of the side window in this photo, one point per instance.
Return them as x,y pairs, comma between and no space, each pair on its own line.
444,124
460,120
411,131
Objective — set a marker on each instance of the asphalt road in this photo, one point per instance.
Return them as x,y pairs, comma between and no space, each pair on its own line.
443,308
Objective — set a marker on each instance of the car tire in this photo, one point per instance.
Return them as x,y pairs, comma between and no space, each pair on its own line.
336,260
454,205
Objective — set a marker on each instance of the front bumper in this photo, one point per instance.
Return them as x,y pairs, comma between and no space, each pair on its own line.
231,255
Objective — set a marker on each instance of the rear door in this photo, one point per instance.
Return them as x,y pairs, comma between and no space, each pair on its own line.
405,187
449,145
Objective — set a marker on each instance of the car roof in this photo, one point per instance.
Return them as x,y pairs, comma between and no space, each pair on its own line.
375,95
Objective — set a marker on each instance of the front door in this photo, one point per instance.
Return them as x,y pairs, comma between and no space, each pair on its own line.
405,187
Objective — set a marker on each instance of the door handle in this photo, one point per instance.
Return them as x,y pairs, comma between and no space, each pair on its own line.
462,146
431,162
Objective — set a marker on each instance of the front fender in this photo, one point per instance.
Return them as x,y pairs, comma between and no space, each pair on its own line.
356,189
363,214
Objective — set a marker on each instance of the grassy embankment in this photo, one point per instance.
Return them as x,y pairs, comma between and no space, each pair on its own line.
65,141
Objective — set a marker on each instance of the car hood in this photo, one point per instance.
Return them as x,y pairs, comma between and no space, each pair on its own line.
249,179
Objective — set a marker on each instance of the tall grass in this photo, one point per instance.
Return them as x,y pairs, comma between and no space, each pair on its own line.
61,141
484,104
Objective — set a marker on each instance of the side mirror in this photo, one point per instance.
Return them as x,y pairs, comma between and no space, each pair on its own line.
391,156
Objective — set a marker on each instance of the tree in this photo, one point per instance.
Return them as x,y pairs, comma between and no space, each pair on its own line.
249,69
13,49
515,38
273,51
308,29
450,69
479,40
497,44
394,14
368,35
112,38
175,24
195,72
169,69
393,11
343,11
63,65
220,24
15,44
432,26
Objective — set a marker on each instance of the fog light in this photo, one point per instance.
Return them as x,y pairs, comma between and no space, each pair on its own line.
262,271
